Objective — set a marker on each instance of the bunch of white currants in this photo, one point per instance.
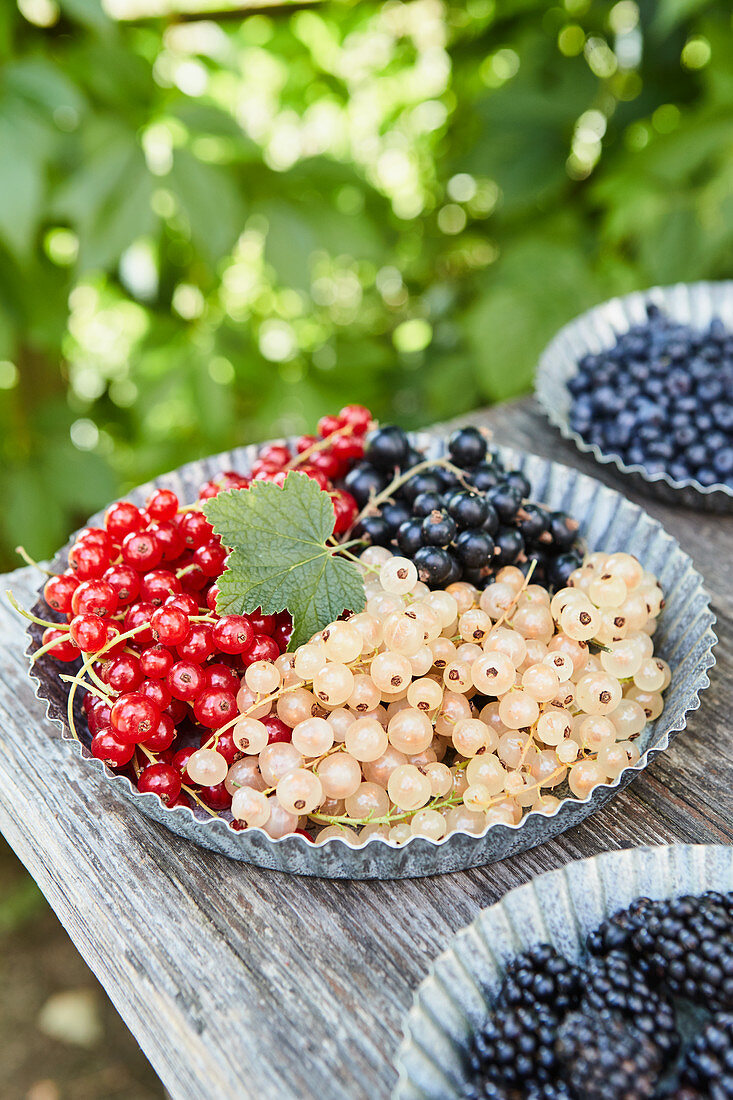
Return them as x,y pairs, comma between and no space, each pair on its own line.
432,712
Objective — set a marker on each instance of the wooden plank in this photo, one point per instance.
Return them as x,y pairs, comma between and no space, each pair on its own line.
244,983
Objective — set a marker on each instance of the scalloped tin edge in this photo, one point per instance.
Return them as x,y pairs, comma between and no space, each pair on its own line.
376,857
558,362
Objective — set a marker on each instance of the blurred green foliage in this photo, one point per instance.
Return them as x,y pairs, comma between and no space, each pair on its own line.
214,230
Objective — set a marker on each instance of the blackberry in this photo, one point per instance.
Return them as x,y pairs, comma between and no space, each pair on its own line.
603,1059
541,976
515,1049
687,944
613,986
708,1063
614,933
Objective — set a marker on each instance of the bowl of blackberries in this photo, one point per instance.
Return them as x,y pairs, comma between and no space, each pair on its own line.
645,383
611,979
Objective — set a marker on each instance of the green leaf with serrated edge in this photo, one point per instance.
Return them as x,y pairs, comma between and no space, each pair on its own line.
279,556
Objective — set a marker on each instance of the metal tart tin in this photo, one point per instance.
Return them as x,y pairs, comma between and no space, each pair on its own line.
608,521
560,908
695,304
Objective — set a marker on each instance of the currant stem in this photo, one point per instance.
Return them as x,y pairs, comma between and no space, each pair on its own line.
33,618
515,598
21,550
389,819
195,797
320,445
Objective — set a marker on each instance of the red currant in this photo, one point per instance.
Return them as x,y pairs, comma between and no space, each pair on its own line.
141,550
196,529
122,519
181,759
263,648
162,504
316,475
96,536
327,425
115,752
134,717
157,692
63,648
125,582
223,677
59,590
170,625
347,449
218,797
277,454
225,746
193,578
88,632
210,558
159,585
185,601
88,560
327,463
139,614
198,646
162,737
276,729
98,718
124,673
185,681
176,711
211,597
156,662
233,634
214,707
169,539
345,510
113,631
358,416
262,624
263,471
306,442
95,597
160,779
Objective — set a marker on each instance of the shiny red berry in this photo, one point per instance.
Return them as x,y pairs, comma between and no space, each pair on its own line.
88,632
169,539
263,648
159,585
115,752
141,550
185,601
170,625
305,442
121,519
134,717
211,558
63,648
58,591
198,646
214,708
156,662
88,561
195,529
262,624
98,717
327,425
94,597
316,475
358,416
221,676
181,759
186,681
345,510
124,673
233,634
113,631
125,582
225,745
163,736
275,453
157,691
139,615
217,797
162,504
160,779
276,729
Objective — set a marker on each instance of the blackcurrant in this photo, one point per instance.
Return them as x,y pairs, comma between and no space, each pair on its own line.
468,509
474,547
375,530
467,447
510,545
438,529
433,564
507,500
409,537
386,447
363,481
395,513
425,503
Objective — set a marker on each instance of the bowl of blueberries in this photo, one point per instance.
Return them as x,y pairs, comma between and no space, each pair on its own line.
645,383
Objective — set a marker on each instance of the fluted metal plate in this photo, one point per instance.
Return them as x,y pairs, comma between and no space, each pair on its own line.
560,908
695,304
609,522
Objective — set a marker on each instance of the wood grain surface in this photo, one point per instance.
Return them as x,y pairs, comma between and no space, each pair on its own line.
241,983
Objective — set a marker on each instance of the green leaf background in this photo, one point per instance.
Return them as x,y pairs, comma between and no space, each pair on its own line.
212,232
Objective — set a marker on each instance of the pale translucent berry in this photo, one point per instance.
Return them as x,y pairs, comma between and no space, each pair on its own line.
457,676
295,706
584,776
628,719
518,710
343,642
607,590
486,771
250,735
410,731
339,832
280,822
245,773
425,695
368,800
541,681
340,775
262,677
333,684
429,823
300,791
365,739
379,770
207,768
250,806
365,695
403,633
493,674
313,737
398,576
408,787
595,731
649,676
391,672
440,778
277,760
310,659
597,693
651,702
461,819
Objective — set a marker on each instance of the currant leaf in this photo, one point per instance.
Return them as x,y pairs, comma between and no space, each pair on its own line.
279,558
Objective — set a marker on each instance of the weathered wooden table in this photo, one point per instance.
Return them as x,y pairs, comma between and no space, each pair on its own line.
242,983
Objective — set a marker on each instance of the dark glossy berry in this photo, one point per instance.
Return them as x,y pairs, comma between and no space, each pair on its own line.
425,503
510,546
515,1048
394,514
375,530
474,548
364,482
438,529
614,984
386,447
507,500
433,564
486,476
708,1062
532,521
541,976
425,482
467,447
468,509
409,537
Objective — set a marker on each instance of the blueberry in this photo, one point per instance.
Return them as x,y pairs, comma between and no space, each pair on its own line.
467,447
386,447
